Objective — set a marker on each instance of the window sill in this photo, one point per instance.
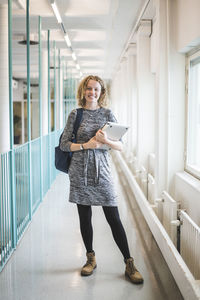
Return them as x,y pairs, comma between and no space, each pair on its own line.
189,179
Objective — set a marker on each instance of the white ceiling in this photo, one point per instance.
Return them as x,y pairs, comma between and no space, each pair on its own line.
98,30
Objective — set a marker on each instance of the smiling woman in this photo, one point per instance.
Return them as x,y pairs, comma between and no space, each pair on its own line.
91,182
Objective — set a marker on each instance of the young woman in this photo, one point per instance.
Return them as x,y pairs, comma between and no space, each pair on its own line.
89,172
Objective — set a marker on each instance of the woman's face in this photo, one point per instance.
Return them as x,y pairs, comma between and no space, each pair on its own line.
92,92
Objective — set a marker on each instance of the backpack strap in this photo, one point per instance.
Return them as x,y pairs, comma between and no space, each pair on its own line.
77,122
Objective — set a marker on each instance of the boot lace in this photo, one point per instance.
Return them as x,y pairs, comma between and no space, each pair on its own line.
132,267
89,261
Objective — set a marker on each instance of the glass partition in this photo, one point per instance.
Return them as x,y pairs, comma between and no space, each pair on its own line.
28,170
70,87
52,87
34,77
19,74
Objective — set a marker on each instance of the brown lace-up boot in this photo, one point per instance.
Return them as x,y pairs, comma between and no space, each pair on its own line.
90,265
131,272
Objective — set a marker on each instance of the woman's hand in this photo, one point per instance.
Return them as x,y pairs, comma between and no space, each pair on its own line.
92,144
101,137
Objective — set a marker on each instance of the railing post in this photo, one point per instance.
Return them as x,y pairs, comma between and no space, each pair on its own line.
55,110
63,77
28,105
12,154
55,98
49,111
59,93
40,106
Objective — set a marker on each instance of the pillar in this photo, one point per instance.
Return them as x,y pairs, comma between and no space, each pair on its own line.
4,81
132,97
145,96
124,94
161,97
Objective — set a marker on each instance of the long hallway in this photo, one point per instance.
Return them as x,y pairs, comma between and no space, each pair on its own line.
47,262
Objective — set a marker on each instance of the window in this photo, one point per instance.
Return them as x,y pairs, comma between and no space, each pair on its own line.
193,116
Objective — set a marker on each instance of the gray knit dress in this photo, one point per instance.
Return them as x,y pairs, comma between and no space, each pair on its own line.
90,175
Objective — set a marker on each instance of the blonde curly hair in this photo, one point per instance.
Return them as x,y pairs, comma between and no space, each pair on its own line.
83,86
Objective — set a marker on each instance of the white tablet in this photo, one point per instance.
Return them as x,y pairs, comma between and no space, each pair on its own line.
114,132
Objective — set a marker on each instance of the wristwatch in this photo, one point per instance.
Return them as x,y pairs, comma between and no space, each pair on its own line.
81,147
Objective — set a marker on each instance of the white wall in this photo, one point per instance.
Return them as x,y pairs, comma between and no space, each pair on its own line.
174,23
185,18
187,25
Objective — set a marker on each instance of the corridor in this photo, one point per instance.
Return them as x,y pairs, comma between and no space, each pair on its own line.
47,262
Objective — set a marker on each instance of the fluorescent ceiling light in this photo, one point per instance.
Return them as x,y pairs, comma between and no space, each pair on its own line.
67,40
73,56
77,66
56,12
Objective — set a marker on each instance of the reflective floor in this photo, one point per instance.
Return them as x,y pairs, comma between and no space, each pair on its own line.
47,262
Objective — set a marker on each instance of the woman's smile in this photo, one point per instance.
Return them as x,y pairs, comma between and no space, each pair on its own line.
92,93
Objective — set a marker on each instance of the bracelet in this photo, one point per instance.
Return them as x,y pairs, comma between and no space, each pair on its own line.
81,147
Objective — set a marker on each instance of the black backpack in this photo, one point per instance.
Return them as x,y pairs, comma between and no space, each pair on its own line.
62,158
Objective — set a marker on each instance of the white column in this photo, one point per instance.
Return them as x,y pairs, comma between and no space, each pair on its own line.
176,119
161,98
119,95
44,92
114,95
4,82
124,92
145,96
132,97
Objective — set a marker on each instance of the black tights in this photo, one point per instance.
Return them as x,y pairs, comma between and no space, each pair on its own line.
113,219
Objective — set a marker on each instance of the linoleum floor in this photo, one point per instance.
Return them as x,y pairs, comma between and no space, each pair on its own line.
47,262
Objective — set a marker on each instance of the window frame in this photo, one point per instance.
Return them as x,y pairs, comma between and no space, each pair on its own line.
188,167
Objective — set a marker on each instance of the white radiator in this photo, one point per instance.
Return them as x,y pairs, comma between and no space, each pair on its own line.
151,164
170,216
183,276
151,196
190,244
143,180
133,164
151,189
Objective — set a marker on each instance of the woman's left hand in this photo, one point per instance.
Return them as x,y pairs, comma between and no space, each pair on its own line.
101,137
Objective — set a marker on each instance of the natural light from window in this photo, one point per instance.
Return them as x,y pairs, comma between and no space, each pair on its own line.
193,116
